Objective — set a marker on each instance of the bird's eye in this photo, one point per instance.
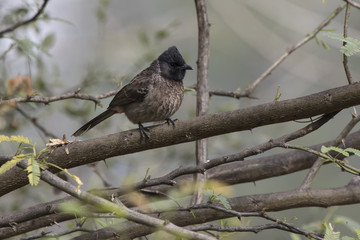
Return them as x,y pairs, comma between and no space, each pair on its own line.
172,64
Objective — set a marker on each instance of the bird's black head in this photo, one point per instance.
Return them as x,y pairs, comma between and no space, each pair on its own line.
172,64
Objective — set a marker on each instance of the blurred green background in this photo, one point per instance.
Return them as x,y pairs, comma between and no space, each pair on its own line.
98,45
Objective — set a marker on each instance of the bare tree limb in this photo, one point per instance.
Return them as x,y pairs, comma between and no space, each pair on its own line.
32,19
202,99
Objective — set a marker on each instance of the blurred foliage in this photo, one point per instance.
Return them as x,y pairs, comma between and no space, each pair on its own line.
25,150
351,47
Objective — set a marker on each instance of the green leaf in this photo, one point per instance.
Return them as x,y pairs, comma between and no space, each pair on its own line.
295,236
18,139
76,178
325,149
192,213
352,45
27,46
278,94
330,234
357,232
48,41
347,238
11,163
223,201
102,224
62,21
33,170
353,150
74,207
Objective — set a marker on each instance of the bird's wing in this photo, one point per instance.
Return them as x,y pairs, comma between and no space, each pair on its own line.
134,91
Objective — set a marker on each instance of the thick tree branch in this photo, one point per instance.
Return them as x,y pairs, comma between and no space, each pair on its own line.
85,152
34,18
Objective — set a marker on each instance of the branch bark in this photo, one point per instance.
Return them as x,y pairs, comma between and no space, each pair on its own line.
88,151
202,97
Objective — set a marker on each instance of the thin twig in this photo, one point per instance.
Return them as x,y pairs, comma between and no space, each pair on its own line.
293,48
352,3
47,100
234,94
34,121
106,183
34,18
56,235
345,58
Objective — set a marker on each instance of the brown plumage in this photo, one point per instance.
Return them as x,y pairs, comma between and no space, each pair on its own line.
153,95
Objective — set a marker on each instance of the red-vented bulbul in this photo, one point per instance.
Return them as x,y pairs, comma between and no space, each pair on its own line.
153,95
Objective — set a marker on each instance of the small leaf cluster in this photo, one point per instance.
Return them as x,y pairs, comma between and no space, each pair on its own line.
351,47
343,164
25,151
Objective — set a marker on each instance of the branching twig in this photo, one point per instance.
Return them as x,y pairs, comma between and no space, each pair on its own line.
352,3
34,18
291,49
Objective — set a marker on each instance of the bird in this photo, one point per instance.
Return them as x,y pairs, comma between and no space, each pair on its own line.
153,95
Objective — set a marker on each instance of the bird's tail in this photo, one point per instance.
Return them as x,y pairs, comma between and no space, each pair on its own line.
93,122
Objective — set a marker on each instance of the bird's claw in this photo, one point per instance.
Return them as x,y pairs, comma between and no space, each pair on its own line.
168,121
143,131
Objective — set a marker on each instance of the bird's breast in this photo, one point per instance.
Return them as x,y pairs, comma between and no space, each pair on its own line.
162,101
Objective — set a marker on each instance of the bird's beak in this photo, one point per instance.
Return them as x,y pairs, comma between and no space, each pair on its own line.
187,67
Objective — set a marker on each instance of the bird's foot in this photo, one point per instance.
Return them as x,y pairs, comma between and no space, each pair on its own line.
168,121
143,131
